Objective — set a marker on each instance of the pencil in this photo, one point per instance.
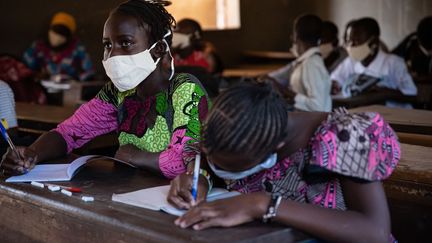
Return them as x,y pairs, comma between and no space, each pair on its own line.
9,141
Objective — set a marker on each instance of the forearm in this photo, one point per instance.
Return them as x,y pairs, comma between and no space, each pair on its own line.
331,224
48,146
145,160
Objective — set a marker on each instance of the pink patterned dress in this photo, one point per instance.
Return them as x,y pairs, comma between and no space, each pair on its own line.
360,146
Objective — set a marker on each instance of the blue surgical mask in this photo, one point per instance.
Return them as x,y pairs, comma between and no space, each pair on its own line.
267,164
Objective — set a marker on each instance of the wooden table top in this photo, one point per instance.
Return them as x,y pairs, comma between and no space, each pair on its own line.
368,98
403,120
249,71
41,215
415,164
43,113
284,55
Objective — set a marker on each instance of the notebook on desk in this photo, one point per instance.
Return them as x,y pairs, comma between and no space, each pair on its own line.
155,198
57,172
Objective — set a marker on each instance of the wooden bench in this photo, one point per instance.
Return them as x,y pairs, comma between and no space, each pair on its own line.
31,214
403,120
409,193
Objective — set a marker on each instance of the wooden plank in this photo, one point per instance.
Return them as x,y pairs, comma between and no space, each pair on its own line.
403,120
42,113
415,139
249,71
40,215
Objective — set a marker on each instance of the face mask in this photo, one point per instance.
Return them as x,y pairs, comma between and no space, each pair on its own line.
55,39
360,52
426,52
294,50
180,40
128,71
267,164
326,49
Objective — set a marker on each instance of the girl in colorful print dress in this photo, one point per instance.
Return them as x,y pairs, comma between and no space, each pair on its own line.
155,112
318,172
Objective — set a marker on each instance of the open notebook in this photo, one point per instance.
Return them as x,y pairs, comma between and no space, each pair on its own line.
155,198
57,172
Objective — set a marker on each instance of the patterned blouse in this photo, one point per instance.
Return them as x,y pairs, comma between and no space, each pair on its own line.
73,61
163,123
361,146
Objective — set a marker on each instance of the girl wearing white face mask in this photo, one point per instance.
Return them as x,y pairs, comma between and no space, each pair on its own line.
317,172
61,55
155,112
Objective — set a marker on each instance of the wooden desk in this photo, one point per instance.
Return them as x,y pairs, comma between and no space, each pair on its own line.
409,194
249,71
33,214
369,98
282,55
40,118
403,120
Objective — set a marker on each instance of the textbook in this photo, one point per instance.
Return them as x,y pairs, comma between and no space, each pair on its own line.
155,198
57,172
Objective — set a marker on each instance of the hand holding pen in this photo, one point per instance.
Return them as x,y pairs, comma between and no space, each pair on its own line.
17,160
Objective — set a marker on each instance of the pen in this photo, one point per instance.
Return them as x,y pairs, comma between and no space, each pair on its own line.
67,188
196,176
11,144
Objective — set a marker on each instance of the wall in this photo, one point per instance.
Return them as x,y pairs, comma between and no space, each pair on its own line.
266,25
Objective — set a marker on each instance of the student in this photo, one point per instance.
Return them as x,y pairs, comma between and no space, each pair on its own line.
61,55
154,113
307,77
7,113
366,59
332,53
325,167
191,50
416,49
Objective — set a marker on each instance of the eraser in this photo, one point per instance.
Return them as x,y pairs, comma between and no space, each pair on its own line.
54,188
66,192
87,199
38,184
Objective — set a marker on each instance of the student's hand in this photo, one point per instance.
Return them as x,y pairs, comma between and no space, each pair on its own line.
180,194
13,165
225,212
126,153
335,88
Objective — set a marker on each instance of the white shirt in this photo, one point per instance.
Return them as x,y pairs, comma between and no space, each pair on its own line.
7,105
390,68
309,79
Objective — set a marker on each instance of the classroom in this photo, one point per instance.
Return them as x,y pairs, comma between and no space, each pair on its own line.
216,121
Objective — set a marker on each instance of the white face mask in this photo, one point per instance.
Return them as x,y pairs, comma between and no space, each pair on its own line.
180,40
360,52
267,164
128,71
55,39
326,49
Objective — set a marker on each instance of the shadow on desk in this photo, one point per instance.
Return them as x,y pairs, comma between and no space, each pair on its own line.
34,214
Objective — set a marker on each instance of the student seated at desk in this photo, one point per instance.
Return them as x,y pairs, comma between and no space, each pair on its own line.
316,172
416,49
61,55
332,53
154,112
190,49
367,60
306,81
7,113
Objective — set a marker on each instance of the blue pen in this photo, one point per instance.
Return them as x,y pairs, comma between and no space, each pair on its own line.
11,144
196,176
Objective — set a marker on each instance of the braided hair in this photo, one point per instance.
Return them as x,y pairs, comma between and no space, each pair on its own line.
248,118
151,13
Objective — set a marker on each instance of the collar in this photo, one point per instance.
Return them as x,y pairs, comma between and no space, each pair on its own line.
310,52
374,68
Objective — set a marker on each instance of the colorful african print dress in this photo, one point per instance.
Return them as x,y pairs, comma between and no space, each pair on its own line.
163,123
361,146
